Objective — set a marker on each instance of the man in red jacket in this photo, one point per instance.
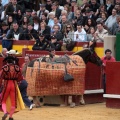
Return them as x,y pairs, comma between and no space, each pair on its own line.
107,58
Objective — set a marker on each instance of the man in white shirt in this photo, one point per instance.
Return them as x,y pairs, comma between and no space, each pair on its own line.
80,34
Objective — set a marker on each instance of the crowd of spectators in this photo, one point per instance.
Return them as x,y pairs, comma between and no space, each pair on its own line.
58,20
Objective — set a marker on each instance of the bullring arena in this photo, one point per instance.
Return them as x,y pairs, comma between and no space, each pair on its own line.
97,107
87,112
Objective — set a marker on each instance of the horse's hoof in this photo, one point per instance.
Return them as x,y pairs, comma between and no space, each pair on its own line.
72,105
38,106
82,103
63,105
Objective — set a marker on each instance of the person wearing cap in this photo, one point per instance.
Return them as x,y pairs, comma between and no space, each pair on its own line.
54,44
42,10
10,75
14,10
41,43
56,10
13,53
28,14
73,4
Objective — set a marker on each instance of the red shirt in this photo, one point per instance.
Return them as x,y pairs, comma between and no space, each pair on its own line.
104,60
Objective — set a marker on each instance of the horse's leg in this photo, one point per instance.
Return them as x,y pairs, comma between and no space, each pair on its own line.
76,99
82,101
64,100
71,101
41,99
36,101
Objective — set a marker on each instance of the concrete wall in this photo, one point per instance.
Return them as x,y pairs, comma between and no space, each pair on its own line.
109,43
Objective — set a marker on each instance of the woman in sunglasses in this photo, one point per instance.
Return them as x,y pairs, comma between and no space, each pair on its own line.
69,32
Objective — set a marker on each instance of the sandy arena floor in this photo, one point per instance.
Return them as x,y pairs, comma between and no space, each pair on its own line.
87,112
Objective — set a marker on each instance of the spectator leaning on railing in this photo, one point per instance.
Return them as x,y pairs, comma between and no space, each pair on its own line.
30,33
57,33
15,33
54,44
91,34
68,32
41,43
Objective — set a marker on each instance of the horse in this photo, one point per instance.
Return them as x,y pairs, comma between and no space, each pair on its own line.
86,55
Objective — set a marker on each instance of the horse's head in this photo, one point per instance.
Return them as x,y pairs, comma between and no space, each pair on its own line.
94,58
89,56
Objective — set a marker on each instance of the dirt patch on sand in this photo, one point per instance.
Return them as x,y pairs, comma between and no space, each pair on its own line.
87,112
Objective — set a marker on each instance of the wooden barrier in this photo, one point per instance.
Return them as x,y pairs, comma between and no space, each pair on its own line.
37,53
20,44
112,85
